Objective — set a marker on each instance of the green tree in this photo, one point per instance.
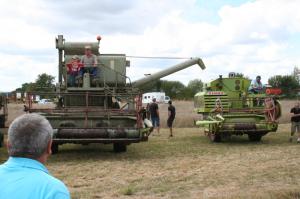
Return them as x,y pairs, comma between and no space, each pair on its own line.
296,73
195,86
288,84
44,83
26,87
174,89
239,75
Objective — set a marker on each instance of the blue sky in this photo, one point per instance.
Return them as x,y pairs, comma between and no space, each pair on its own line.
254,37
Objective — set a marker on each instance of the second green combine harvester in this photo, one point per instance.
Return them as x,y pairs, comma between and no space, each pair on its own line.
227,108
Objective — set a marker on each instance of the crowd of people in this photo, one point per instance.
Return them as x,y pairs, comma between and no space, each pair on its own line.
151,117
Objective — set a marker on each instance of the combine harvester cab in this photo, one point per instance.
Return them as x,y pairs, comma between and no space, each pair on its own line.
99,109
227,108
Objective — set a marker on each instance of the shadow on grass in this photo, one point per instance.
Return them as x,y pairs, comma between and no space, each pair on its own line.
162,147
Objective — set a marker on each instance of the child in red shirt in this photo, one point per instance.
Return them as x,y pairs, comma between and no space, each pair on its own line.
73,68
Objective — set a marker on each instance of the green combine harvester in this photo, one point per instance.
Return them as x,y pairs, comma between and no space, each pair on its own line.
227,108
104,108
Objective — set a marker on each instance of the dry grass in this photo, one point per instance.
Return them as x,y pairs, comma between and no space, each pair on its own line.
186,166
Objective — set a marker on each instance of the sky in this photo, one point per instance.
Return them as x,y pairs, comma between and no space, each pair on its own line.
253,37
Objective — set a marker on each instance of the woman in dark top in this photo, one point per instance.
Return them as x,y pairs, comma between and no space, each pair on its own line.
171,117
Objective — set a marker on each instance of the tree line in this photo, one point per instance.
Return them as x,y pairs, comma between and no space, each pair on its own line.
288,83
174,89
43,83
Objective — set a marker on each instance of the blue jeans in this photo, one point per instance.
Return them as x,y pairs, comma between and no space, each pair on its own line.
155,121
93,71
71,80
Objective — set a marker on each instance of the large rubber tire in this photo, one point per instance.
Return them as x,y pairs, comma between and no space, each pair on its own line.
119,147
54,148
254,137
2,121
214,137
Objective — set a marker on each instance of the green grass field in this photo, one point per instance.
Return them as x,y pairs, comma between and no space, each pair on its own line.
186,166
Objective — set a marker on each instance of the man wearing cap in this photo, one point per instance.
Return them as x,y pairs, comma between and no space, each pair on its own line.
73,69
256,86
89,62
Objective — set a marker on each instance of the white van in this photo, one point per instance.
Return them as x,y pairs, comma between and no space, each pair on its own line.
159,96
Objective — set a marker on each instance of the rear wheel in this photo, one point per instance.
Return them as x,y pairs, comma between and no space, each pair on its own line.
1,139
120,147
2,121
213,135
254,137
54,148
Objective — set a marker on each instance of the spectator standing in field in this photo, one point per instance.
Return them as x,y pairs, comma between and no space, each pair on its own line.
295,120
24,174
154,113
171,117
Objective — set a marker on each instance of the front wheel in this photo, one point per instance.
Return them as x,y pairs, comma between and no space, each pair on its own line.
214,137
54,148
2,121
119,147
212,133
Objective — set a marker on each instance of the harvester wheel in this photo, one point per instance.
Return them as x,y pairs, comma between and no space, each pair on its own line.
1,139
54,148
214,137
254,137
2,121
119,147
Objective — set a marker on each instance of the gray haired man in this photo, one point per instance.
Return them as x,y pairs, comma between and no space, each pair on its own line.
24,175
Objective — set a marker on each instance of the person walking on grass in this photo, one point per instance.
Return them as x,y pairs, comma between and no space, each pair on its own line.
24,174
171,117
154,113
295,120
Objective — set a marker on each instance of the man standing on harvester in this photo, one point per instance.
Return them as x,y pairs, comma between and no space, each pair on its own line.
89,62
